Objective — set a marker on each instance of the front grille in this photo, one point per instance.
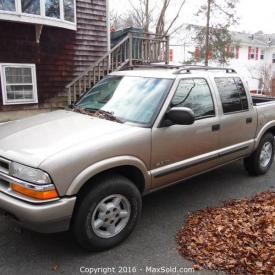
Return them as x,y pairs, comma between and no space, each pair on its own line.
4,166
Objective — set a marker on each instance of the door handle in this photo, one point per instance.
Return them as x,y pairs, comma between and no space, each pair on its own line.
216,127
249,120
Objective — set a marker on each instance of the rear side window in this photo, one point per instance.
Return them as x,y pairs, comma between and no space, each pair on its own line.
196,95
232,94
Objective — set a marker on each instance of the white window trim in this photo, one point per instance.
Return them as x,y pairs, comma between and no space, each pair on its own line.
41,19
4,85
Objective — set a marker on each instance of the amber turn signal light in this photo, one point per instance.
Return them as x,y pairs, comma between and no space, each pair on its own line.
40,195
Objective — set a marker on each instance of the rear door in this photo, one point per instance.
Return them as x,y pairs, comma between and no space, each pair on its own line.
238,118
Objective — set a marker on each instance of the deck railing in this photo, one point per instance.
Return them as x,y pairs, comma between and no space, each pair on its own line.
135,48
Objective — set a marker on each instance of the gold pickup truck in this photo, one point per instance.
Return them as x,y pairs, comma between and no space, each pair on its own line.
136,131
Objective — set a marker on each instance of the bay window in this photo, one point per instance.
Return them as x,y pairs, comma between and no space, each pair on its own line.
59,13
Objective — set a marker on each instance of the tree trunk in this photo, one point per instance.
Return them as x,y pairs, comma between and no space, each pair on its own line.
146,27
207,32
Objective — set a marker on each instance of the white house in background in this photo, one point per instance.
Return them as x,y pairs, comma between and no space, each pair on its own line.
252,53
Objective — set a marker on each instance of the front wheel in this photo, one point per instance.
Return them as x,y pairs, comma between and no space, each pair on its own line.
261,160
107,214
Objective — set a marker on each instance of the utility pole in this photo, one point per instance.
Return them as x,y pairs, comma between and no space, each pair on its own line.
207,32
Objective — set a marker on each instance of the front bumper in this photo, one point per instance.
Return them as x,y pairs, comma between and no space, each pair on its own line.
48,217
42,216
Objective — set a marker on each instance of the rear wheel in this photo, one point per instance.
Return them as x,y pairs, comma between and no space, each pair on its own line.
107,214
261,160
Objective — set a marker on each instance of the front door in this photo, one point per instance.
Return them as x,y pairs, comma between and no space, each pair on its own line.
180,151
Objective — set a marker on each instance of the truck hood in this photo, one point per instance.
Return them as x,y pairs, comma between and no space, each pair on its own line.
30,141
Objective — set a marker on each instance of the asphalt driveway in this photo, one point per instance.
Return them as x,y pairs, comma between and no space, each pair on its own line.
152,245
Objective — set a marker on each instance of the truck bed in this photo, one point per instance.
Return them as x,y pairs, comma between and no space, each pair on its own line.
262,100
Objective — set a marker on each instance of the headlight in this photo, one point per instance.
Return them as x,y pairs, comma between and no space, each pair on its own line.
34,182
29,174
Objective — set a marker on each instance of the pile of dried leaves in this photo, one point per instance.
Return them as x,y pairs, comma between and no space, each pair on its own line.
238,238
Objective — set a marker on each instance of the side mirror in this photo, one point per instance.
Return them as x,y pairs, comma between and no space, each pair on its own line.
181,116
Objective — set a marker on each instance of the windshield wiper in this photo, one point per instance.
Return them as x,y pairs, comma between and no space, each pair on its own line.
98,113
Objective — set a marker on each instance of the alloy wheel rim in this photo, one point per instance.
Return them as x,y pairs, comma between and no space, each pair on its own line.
111,216
266,154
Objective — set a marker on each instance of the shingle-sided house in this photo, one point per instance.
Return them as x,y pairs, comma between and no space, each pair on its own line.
44,44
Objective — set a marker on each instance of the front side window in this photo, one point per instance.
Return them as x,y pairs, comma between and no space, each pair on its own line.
129,98
7,5
18,84
30,6
232,94
196,95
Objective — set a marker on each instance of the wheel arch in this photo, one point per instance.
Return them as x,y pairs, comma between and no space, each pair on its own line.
268,128
128,166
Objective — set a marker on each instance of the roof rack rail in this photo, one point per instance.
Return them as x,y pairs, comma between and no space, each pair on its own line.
157,66
188,69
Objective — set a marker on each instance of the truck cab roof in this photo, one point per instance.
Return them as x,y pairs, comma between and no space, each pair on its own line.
173,72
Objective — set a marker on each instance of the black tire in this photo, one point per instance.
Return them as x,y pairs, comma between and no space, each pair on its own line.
253,163
104,187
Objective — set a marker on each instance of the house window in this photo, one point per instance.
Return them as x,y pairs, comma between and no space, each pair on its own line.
18,83
7,5
30,7
273,58
232,52
252,53
69,9
52,8
262,54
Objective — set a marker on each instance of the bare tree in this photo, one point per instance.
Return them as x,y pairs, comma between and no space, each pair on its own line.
147,15
262,73
163,27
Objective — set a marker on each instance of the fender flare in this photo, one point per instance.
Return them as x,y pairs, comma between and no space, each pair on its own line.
265,129
104,165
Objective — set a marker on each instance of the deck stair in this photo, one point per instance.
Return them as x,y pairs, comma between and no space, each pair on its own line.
133,49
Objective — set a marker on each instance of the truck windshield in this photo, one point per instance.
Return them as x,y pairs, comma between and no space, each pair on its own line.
127,98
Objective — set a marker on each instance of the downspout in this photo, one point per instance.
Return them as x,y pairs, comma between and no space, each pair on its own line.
108,25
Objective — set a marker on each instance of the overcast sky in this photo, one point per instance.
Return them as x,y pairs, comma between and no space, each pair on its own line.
254,15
